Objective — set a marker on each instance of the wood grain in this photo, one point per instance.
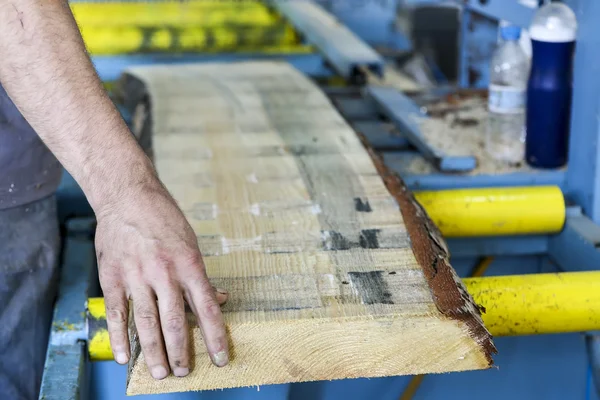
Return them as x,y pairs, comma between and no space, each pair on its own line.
333,270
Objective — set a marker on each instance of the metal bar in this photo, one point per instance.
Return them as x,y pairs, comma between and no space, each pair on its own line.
381,136
429,179
514,305
342,49
403,112
356,108
538,303
110,67
495,211
131,40
194,14
98,340
64,371
176,27
577,247
364,116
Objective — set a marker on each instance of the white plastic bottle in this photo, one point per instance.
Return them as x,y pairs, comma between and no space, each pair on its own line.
505,136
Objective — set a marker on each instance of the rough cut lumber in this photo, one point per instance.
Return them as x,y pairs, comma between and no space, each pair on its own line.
333,269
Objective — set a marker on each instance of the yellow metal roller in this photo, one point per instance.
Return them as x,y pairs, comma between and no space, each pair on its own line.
173,13
184,26
538,303
495,211
98,340
120,40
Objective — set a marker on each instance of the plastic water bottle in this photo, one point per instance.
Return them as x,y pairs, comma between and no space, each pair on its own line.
549,90
505,138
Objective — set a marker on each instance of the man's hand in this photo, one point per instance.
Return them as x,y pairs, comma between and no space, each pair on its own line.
146,249
147,252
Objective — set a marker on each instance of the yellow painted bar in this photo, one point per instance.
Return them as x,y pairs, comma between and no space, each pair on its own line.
127,40
173,13
98,340
495,211
538,303
112,28
514,305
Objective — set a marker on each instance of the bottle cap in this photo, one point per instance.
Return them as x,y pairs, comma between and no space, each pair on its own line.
554,22
510,32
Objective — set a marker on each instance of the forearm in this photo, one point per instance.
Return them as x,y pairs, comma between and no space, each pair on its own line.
49,76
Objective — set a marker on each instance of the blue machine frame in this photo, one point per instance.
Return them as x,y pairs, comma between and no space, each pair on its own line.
577,247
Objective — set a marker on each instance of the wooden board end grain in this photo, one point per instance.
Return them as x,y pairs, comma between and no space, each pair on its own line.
333,269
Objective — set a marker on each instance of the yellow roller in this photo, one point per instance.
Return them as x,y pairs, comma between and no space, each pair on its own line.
98,340
127,40
495,211
190,26
514,305
173,13
538,303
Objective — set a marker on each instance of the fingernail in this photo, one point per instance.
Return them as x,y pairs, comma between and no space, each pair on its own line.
222,291
121,358
221,359
181,372
159,372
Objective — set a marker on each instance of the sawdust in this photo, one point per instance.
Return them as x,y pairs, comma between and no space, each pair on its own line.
458,128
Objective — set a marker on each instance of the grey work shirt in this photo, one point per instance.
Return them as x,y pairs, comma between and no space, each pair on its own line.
28,171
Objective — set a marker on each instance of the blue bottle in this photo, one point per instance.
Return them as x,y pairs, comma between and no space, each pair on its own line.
549,88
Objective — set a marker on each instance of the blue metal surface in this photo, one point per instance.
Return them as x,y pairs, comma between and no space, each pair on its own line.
343,50
381,136
357,108
64,370
498,246
478,41
583,175
592,342
110,67
400,162
577,247
373,21
463,49
64,374
512,11
403,112
535,367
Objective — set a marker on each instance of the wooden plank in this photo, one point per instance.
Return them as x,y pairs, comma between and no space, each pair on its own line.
328,279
